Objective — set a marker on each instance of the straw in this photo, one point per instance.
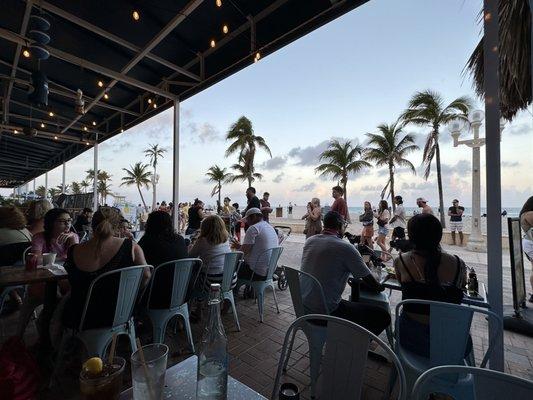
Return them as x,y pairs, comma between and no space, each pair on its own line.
112,352
145,367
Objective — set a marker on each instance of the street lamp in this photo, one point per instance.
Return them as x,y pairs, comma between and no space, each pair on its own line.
475,240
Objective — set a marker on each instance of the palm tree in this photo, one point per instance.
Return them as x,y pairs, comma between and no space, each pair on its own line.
389,148
101,175
245,171
220,176
84,184
40,191
75,188
52,192
153,153
139,176
245,143
342,159
516,91
60,188
104,190
427,108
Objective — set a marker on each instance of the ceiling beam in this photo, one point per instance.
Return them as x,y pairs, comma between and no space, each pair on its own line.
116,39
47,134
78,127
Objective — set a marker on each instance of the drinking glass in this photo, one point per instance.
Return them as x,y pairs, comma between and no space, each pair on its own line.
149,377
107,385
49,259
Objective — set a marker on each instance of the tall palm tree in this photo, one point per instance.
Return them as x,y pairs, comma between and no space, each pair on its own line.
101,175
245,171
104,190
60,188
52,192
342,159
389,148
153,152
139,176
427,108
219,176
40,191
245,143
84,184
75,187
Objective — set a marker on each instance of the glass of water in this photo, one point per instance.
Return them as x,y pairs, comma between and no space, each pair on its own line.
149,376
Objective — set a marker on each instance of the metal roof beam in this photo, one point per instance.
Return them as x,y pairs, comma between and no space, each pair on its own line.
108,35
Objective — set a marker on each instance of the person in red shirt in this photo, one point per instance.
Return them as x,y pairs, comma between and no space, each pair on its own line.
339,205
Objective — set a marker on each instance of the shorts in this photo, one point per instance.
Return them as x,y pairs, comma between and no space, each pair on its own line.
527,246
456,226
383,230
368,231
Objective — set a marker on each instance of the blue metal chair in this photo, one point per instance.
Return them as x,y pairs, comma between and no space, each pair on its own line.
344,361
12,250
449,326
484,384
232,263
183,270
315,334
259,287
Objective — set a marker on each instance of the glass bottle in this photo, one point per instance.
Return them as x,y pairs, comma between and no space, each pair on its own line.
212,382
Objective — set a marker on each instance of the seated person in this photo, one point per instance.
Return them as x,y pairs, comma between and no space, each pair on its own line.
57,236
161,244
332,260
83,221
426,273
13,227
259,237
35,215
211,246
104,252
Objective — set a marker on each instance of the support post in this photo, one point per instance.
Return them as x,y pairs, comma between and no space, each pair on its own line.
491,62
63,178
475,240
176,164
95,180
34,187
46,185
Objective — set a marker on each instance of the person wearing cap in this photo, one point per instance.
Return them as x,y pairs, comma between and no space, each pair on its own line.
456,220
331,260
259,237
422,203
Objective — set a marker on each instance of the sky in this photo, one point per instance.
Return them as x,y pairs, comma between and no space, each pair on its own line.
340,81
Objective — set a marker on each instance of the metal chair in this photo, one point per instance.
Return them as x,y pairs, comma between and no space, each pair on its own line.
449,326
344,361
10,255
259,287
178,302
232,263
484,384
315,334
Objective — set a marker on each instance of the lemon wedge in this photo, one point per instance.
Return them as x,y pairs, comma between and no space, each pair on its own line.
93,365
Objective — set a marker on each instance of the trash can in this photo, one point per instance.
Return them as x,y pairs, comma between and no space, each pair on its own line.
279,212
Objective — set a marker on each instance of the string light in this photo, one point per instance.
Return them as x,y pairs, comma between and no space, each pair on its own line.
225,29
213,43
257,57
15,131
55,137
135,15
121,130
100,84
85,128
42,125
155,105
106,96
51,114
26,53
149,101
94,123
87,143
219,3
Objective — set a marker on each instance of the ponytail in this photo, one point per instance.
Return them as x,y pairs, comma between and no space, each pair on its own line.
105,224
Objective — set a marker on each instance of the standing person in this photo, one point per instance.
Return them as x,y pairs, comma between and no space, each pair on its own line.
265,206
253,201
456,220
367,219
289,210
339,205
139,210
143,218
526,222
383,216
196,215
313,217
35,215
236,221
398,221
227,208
422,203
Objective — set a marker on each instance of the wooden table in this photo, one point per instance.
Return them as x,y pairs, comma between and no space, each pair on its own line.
180,383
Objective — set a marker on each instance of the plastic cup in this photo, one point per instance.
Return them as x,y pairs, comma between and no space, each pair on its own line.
49,259
106,386
31,261
149,379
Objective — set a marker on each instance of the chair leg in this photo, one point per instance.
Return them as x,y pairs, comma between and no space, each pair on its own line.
275,297
390,336
185,314
260,299
132,336
233,309
59,358
315,359
26,311
289,351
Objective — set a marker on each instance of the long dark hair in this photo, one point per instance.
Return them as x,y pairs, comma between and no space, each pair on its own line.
159,226
383,205
528,206
425,233
49,219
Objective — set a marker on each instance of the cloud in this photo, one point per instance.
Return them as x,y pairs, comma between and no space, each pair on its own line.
371,188
418,186
510,164
278,178
310,155
520,129
204,133
462,167
306,188
274,163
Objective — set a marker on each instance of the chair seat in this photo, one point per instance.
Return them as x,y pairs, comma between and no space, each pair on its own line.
414,361
379,299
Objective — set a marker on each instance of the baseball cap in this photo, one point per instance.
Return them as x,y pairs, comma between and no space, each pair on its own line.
252,211
422,199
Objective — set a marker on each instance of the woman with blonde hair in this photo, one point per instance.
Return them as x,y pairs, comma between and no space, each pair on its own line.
313,218
103,252
35,215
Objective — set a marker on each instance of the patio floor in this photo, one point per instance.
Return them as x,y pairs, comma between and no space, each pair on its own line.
254,352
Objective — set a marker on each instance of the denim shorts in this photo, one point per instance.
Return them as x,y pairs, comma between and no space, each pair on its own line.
383,230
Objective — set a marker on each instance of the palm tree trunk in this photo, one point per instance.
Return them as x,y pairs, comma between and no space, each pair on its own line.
142,198
249,181
439,183
391,174
154,184
219,190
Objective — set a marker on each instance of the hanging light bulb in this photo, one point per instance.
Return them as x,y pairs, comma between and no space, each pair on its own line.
55,137
121,130
100,84
225,29
87,143
155,105
149,101
257,56
85,128
135,15
213,43
94,123
218,3
51,114
42,125
15,131
106,96
26,53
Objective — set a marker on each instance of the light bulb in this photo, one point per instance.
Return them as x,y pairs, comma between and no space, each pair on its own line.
42,125
51,114
55,137
87,143
155,105
15,131
85,128
26,53
213,43
135,15
100,84
121,130
149,101
258,55
106,96
225,29
94,123
219,3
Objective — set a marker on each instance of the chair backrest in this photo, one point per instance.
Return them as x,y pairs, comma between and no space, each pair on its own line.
24,254
344,362
296,279
275,253
183,270
449,328
12,253
488,384
232,262
128,289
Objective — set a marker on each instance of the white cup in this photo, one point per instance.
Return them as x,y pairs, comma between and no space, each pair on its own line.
49,259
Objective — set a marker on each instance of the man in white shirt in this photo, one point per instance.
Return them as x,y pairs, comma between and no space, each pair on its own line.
259,237
331,260
398,220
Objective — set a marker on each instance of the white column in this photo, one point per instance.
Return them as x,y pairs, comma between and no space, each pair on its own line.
492,155
176,163
63,178
33,187
95,180
475,240
46,185
27,190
